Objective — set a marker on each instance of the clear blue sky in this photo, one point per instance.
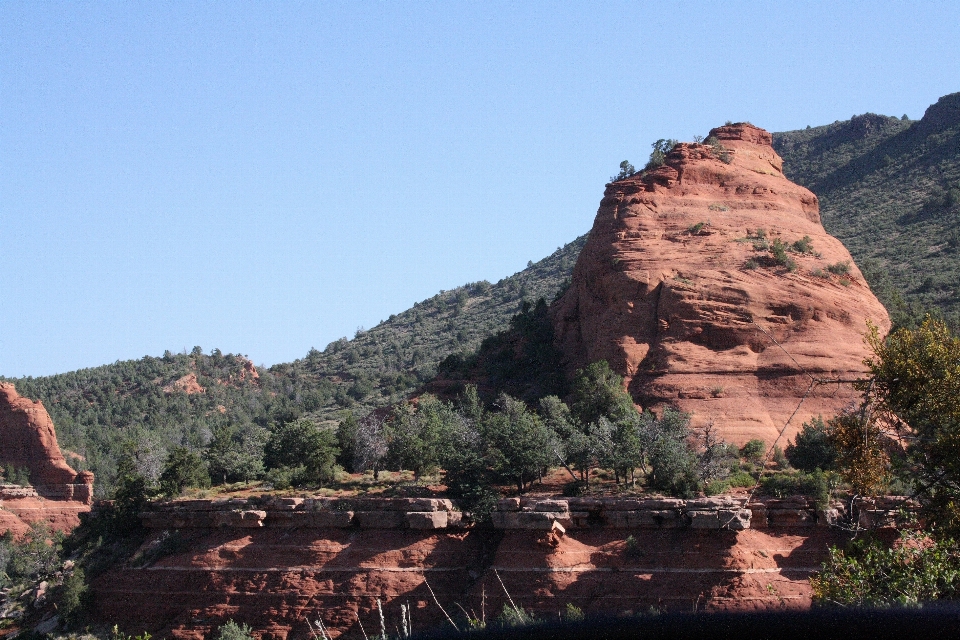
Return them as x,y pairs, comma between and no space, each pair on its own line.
267,177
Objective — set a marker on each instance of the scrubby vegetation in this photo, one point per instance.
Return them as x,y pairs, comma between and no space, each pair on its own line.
888,189
136,406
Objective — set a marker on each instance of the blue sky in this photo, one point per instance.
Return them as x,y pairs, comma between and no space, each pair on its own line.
267,177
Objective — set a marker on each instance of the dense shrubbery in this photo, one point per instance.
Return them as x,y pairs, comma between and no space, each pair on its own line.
871,573
812,449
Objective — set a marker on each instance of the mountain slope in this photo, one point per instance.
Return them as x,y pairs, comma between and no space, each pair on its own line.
889,189
152,404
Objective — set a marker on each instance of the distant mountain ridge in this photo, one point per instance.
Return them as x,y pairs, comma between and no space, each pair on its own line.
889,189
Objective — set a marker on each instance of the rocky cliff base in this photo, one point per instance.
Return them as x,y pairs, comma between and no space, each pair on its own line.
274,563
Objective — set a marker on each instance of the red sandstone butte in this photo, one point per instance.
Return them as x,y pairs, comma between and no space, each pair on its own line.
664,292
28,440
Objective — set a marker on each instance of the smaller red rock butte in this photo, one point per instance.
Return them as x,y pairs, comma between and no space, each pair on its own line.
671,290
28,440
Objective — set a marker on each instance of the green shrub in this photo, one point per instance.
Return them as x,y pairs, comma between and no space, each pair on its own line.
753,450
659,154
779,458
302,445
230,630
36,555
716,487
720,152
804,245
183,468
839,268
695,230
631,548
73,597
510,617
870,573
742,479
779,251
782,485
751,264
811,449
626,170
572,613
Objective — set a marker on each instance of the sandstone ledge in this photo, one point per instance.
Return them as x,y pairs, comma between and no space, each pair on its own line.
715,513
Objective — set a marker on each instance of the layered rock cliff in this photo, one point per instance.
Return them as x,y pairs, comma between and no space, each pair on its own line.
28,441
678,289
275,562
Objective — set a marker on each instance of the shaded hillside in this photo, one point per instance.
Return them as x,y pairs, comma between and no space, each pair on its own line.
889,189
385,363
154,403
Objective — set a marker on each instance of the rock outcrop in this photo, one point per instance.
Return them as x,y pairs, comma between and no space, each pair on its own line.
273,562
28,441
678,290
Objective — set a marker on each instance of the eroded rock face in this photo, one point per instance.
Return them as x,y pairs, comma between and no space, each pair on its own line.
671,291
28,440
272,562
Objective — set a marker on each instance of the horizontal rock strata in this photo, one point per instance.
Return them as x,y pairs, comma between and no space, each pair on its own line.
272,563
28,441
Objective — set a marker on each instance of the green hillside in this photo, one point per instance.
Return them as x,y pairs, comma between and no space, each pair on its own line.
133,404
889,189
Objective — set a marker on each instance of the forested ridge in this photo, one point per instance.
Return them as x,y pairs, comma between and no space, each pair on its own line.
100,411
889,189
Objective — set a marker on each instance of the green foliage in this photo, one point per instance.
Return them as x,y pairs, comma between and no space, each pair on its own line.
804,245
183,468
95,409
16,475
5,543
626,170
917,383
573,613
753,450
720,152
781,485
73,597
779,252
673,464
347,440
235,453
659,154
839,268
883,185
420,436
36,555
304,450
231,630
694,230
598,392
870,573
812,448
511,617
741,479
520,443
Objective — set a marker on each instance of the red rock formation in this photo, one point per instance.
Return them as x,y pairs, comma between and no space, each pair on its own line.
275,563
188,384
28,440
666,292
